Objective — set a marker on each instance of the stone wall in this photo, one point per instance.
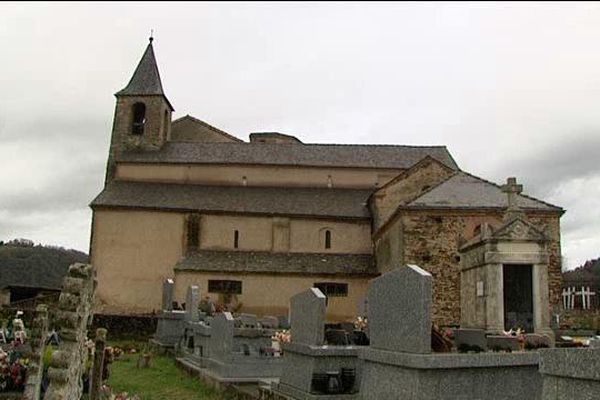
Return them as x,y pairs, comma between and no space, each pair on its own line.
431,239
405,187
73,319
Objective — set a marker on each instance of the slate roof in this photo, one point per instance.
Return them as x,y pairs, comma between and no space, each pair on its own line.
339,203
146,78
463,190
279,263
318,155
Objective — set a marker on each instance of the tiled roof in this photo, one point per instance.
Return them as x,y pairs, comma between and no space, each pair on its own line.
319,155
146,78
339,203
279,263
463,190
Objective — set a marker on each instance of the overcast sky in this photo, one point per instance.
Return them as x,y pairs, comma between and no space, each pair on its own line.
512,90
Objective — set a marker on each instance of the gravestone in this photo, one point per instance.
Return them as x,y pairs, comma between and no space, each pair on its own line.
308,317
221,339
248,320
167,295
284,321
400,310
191,303
269,322
470,340
503,343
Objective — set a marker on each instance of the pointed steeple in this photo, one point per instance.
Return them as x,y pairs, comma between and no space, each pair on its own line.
146,78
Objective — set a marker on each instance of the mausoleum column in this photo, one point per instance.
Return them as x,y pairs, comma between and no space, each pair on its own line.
541,312
494,299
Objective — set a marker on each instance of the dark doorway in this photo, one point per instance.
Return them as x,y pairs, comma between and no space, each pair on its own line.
518,297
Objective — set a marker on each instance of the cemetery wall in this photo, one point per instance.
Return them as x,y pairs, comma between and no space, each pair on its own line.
431,239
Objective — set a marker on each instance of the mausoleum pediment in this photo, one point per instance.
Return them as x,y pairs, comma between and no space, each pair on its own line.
519,229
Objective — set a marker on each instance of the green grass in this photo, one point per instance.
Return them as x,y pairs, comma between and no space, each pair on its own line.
163,380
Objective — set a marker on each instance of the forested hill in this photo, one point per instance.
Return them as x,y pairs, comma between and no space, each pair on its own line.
22,263
587,273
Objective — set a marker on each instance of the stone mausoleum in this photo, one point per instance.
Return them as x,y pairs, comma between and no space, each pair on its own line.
253,223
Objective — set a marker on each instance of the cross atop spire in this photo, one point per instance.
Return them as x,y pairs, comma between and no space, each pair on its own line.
512,190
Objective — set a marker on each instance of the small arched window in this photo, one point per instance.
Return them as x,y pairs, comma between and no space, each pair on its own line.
139,119
327,239
236,239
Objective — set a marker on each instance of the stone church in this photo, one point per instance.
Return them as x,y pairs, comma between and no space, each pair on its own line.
254,222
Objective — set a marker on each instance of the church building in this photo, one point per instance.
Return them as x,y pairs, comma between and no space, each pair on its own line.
254,222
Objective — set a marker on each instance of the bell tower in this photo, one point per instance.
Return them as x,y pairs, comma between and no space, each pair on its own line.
142,120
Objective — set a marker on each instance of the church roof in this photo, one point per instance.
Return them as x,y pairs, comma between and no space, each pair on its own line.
279,263
463,190
316,155
314,202
146,78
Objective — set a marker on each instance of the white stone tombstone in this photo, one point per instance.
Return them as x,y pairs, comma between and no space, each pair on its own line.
400,310
307,317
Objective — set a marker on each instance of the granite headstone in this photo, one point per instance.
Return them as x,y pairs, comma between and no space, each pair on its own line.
221,339
308,317
400,310
167,295
191,303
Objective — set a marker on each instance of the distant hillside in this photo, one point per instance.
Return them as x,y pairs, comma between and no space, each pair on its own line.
587,273
27,265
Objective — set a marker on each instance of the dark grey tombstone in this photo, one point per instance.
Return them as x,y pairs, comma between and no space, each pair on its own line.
167,295
308,317
470,339
269,322
400,310
248,320
221,339
191,303
503,343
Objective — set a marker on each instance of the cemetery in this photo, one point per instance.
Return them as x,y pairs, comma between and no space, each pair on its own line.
391,351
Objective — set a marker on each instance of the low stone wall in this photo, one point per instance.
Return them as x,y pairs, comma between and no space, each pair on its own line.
126,326
570,373
502,376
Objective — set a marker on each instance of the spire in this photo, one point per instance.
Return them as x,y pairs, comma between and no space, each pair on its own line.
146,78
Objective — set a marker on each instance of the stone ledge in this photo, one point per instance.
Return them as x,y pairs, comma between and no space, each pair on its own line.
290,392
451,361
322,351
571,363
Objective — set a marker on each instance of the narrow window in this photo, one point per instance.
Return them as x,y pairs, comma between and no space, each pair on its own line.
236,239
193,232
139,119
327,239
224,287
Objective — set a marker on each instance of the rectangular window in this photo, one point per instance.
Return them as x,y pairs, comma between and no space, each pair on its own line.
332,289
225,287
236,239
